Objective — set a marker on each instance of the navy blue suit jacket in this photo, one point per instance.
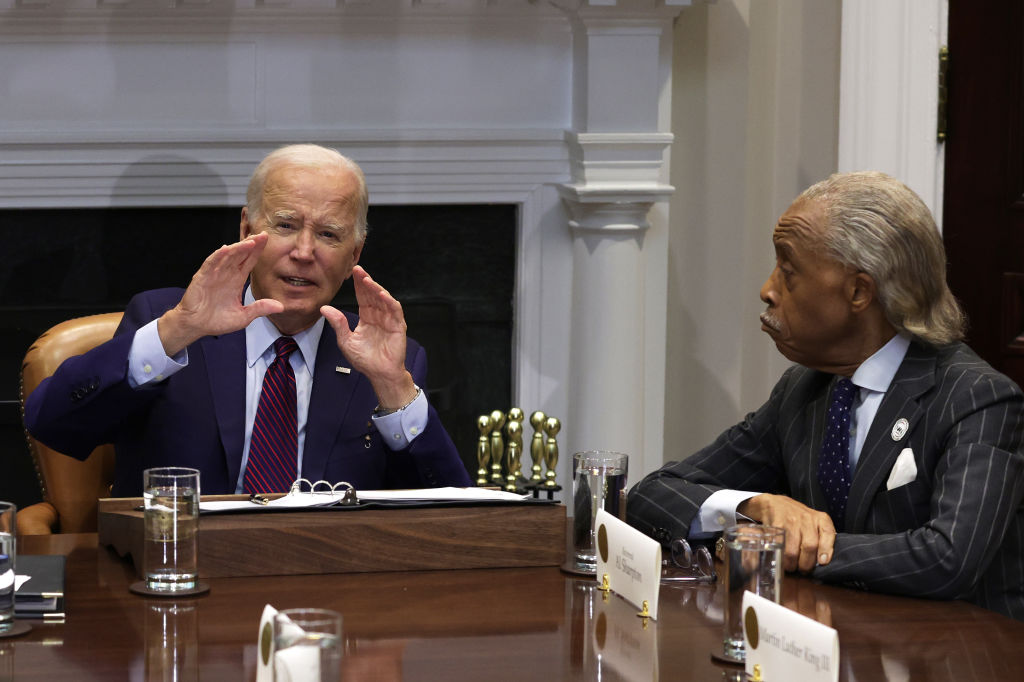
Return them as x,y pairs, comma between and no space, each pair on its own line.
196,418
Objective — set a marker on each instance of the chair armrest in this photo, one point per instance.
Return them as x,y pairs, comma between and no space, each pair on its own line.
37,519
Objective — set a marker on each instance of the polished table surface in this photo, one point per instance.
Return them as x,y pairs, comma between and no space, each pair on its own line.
488,624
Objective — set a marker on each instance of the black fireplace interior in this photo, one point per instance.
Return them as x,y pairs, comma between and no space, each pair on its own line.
451,266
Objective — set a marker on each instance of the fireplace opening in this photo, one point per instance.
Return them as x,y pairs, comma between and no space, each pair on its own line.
451,266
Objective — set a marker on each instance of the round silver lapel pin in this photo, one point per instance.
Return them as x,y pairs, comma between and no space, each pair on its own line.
899,429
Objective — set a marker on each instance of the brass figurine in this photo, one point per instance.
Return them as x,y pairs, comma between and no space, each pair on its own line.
515,453
537,447
551,428
483,448
497,447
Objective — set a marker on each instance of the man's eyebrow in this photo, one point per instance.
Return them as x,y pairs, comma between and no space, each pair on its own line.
783,248
284,214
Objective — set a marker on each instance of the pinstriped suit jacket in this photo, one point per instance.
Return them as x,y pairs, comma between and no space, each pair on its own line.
955,532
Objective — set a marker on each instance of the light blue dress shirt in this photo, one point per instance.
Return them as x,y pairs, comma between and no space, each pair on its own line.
872,380
149,364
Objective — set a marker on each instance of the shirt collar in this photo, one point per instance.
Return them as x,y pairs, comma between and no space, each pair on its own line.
261,334
877,372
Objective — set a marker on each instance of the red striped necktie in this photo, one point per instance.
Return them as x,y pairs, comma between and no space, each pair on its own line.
273,448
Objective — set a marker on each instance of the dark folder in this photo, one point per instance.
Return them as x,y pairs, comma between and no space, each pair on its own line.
42,595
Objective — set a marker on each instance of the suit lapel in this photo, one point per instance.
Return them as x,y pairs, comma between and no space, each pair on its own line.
328,404
225,369
915,376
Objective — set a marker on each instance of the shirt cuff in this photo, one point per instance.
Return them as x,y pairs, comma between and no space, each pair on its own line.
148,363
718,512
400,428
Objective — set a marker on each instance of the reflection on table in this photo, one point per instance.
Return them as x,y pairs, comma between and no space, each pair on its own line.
492,624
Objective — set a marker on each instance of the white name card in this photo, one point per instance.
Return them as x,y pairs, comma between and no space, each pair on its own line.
785,645
265,646
630,559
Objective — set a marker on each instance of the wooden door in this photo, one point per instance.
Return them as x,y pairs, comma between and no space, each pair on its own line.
983,221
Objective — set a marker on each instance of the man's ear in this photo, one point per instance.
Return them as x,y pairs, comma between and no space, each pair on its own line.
357,251
863,292
243,225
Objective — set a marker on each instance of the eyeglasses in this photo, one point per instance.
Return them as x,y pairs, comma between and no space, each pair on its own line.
686,565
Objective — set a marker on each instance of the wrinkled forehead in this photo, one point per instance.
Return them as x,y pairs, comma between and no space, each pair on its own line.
802,226
317,194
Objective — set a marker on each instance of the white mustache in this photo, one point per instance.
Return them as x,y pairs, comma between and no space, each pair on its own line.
769,320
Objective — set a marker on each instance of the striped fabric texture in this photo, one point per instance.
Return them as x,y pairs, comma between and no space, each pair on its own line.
273,449
955,532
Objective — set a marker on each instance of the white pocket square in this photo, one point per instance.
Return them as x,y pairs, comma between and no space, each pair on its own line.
903,471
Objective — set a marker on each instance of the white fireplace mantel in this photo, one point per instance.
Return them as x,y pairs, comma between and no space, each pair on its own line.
561,108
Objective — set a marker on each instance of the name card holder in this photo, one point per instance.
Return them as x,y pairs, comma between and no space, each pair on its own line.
628,563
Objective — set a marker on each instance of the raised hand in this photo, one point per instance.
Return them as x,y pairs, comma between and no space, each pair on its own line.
376,347
212,303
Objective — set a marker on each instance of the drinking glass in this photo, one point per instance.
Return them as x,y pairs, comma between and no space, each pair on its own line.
753,561
598,481
170,551
8,531
307,645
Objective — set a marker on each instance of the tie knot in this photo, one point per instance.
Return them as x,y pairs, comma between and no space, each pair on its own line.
844,392
285,346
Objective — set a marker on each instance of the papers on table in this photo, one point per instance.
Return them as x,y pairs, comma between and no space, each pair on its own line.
295,500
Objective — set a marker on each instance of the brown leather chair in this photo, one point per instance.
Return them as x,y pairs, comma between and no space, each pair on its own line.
70,487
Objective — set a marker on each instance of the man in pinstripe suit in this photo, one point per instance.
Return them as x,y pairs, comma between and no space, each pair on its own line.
934,505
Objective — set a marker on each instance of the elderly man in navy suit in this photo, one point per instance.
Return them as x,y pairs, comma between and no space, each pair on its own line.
890,453
249,374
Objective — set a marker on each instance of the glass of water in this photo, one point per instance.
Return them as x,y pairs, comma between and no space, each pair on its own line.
307,645
170,545
598,481
8,531
753,562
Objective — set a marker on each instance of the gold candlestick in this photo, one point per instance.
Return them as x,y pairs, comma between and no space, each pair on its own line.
537,447
497,447
551,428
483,448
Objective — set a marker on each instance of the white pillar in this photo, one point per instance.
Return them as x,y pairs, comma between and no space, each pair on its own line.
619,161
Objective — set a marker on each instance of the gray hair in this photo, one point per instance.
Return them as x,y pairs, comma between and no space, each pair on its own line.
878,225
308,156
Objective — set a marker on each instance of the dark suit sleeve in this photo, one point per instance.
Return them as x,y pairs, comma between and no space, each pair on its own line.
88,398
977,487
431,459
745,457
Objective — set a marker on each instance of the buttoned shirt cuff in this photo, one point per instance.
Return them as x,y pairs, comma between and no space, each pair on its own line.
147,361
718,512
400,428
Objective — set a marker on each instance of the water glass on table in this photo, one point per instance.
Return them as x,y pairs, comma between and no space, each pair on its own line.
171,496
307,645
598,481
753,562
8,531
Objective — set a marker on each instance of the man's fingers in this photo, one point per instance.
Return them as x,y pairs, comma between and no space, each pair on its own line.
263,307
808,552
826,545
337,320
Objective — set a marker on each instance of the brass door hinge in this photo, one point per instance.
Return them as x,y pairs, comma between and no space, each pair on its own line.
943,123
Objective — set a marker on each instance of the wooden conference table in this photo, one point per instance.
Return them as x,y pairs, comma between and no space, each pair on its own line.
486,624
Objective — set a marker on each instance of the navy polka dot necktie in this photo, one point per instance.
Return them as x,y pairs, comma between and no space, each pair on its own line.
834,463
273,448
